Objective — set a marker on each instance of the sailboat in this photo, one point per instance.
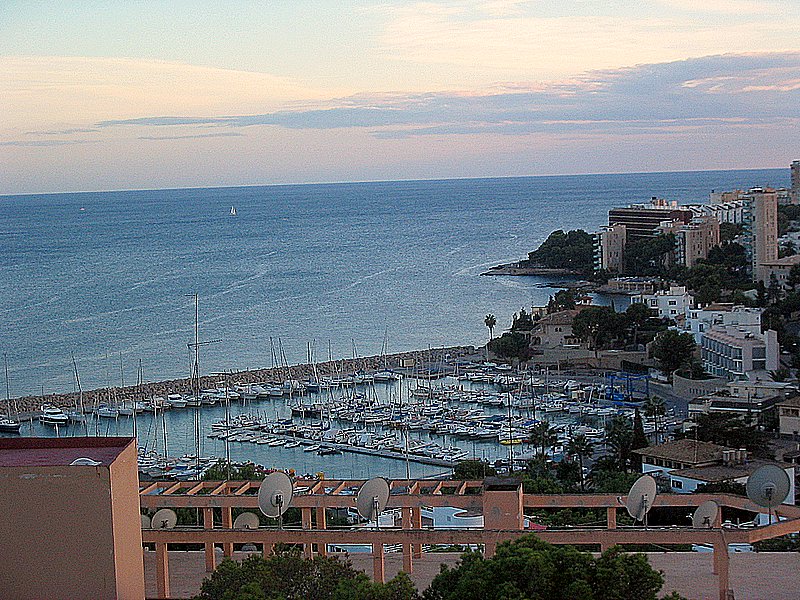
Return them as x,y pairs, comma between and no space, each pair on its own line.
233,211
7,423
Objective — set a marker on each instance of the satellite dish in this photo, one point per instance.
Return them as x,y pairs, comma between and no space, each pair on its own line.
85,462
640,497
275,494
768,486
705,515
246,520
164,519
372,498
145,522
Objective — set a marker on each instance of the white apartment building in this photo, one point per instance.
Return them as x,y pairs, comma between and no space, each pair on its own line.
670,304
699,320
731,351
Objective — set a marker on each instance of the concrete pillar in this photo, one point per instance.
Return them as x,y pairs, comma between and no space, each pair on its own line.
266,549
227,523
208,523
408,559
322,523
611,517
308,550
416,523
377,563
162,570
489,549
721,567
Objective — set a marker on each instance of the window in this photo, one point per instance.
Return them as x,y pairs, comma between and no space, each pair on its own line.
673,302
677,484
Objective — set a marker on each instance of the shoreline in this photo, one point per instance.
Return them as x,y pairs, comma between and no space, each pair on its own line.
28,405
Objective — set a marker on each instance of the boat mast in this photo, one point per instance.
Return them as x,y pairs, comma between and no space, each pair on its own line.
80,406
8,387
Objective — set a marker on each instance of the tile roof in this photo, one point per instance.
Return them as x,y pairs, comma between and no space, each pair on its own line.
685,451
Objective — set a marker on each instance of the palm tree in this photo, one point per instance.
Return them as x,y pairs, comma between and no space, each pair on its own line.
490,321
654,408
543,436
581,447
619,437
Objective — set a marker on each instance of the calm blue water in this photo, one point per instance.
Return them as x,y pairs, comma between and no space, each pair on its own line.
100,274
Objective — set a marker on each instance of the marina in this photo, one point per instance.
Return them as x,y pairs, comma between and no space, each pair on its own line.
404,421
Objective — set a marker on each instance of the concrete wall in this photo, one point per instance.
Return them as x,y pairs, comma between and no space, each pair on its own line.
692,388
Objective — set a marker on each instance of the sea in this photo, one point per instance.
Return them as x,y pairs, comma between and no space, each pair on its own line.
109,277
344,269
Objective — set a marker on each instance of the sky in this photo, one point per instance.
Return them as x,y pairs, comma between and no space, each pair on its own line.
142,95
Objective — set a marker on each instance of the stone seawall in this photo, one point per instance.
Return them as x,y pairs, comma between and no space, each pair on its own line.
276,375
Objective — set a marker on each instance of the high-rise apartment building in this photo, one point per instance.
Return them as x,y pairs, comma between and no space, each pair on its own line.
761,230
643,220
609,248
795,167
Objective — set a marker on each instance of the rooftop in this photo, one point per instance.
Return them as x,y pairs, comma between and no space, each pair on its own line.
786,261
53,452
717,473
685,451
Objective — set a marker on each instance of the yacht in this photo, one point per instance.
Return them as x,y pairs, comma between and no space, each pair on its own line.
9,425
52,415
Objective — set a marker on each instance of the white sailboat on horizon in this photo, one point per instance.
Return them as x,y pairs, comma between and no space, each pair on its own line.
233,211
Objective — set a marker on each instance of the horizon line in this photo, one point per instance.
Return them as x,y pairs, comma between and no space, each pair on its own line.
366,181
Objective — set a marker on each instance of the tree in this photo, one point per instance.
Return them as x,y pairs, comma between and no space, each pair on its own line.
673,350
598,325
511,345
727,430
490,321
544,437
638,313
638,440
793,280
563,300
528,568
580,447
619,438
289,576
522,321
473,469
573,250
655,408
649,256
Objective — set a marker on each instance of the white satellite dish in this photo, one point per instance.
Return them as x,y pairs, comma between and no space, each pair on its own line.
705,515
275,495
85,462
768,486
164,519
641,497
246,520
146,523
372,499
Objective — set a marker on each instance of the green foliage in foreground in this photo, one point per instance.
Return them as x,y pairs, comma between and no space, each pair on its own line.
286,575
529,568
510,345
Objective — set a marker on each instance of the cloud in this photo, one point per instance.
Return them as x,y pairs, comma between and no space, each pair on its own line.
192,137
44,143
688,95
71,131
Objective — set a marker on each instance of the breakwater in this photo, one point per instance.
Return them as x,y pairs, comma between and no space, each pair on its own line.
421,359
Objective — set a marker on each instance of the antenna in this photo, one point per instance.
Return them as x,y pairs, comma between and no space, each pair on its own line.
768,486
275,495
372,499
705,515
246,520
640,498
164,519
146,523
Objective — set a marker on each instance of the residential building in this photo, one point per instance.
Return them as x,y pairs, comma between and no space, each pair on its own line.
789,417
780,269
609,248
627,285
643,220
683,465
751,400
693,240
732,352
716,198
555,330
71,518
760,230
731,211
795,174
698,320
669,304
